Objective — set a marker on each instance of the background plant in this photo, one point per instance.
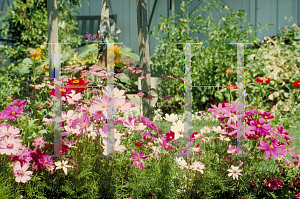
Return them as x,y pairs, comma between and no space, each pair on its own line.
209,59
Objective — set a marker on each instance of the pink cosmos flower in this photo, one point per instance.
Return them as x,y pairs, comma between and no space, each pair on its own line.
39,107
18,102
138,159
147,137
117,146
133,127
74,98
143,77
119,75
12,112
98,108
50,105
141,94
10,146
68,143
21,173
39,141
271,149
121,104
9,131
48,121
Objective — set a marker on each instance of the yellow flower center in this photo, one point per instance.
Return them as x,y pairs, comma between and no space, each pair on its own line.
40,140
166,146
20,172
138,159
62,164
220,112
63,90
234,171
171,137
8,133
148,137
232,114
103,106
13,113
9,146
20,154
46,161
99,112
271,147
134,127
76,81
230,105
258,125
83,124
119,106
266,116
287,149
89,132
69,143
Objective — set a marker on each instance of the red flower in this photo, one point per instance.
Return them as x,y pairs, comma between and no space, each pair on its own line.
262,80
138,144
296,83
244,69
76,83
229,72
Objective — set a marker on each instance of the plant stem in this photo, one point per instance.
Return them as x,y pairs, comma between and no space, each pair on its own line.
34,90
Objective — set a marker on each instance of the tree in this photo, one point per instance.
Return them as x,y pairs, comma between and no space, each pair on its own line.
52,33
27,23
141,9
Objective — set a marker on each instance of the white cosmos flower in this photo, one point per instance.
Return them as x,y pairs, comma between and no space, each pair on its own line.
198,166
62,165
171,118
205,130
181,162
177,128
235,171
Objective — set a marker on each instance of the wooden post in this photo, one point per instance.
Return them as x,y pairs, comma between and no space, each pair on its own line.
141,9
52,33
104,15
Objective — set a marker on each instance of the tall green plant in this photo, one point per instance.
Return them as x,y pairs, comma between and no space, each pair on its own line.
210,59
27,22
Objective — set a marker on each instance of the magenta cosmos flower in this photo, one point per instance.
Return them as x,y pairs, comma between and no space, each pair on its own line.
138,159
166,146
21,173
260,127
12,112
271,149
169,136
147,137
18,102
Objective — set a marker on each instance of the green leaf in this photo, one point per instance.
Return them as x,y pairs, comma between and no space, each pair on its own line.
66,56
87,49
124,78
43,131
128,52
26,64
